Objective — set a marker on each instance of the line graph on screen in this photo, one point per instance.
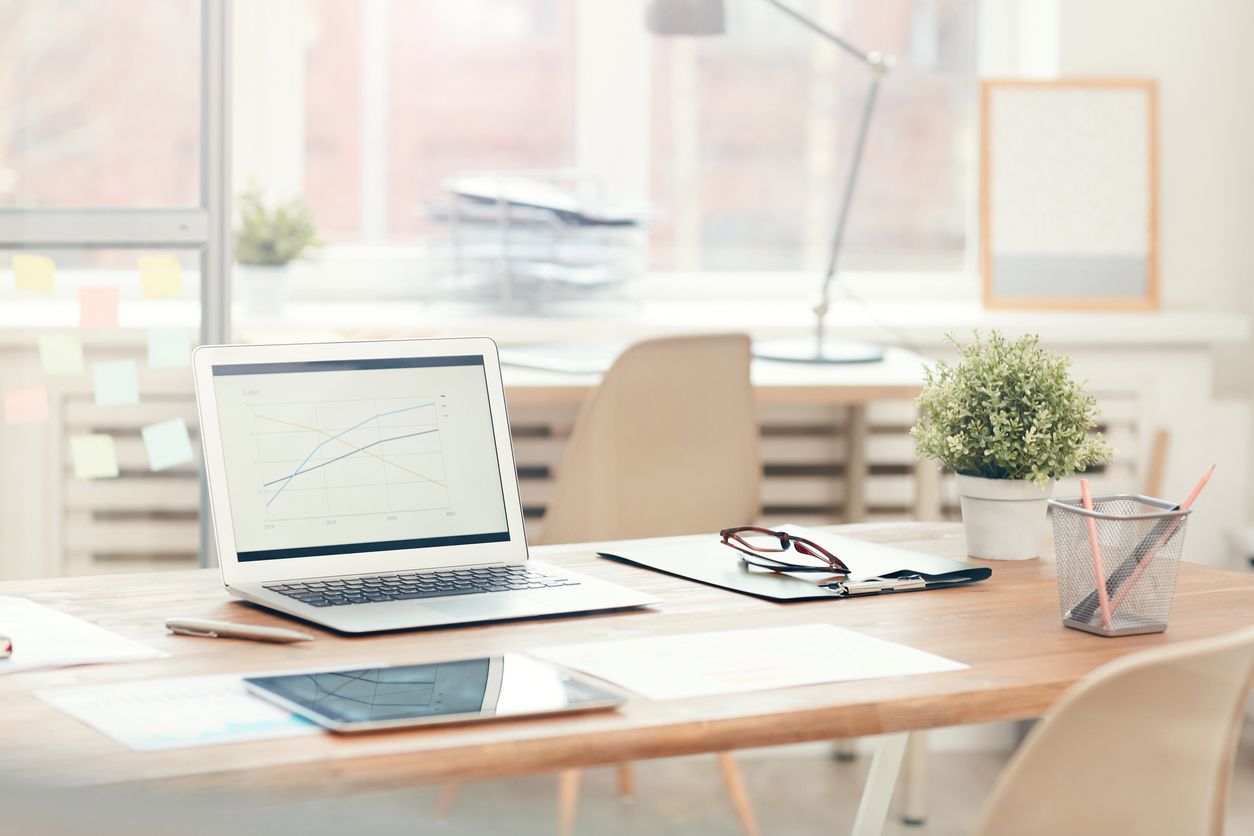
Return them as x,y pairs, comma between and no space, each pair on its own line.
334,458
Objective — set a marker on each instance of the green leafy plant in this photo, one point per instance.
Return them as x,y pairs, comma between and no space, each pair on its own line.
1008,410
273,237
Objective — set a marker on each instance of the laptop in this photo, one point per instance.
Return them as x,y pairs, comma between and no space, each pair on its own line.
370,486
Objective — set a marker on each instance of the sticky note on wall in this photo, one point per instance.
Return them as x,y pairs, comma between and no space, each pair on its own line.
167,444
117,382
169,348
35,273
94,456
60,354
160,276
98,307
26,406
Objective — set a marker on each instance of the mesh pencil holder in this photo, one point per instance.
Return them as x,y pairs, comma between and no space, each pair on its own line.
1139,541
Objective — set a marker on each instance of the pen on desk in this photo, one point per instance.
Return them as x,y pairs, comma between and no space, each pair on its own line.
207,629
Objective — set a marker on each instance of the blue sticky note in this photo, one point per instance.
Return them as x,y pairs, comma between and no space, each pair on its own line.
167,443
169,348
117,382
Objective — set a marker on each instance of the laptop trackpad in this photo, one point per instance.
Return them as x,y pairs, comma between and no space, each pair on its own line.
484,606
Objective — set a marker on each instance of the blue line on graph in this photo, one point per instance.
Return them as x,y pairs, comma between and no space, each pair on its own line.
335,437
346,455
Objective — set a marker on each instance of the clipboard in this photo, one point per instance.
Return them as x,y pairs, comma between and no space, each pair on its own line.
876,569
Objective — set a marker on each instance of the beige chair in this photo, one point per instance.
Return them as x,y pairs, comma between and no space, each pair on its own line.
667,444
1144,745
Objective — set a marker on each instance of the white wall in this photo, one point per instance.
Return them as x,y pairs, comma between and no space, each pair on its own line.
1199,52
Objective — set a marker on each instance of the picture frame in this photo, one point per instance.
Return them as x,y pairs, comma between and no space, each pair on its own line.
1069,194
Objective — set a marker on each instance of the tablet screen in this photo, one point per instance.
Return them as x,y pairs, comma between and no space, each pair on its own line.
495,686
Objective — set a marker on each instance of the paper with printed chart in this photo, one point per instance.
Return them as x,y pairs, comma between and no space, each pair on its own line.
736,661
154,714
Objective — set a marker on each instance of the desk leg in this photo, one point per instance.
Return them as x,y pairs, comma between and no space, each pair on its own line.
878,792
856,467
914,783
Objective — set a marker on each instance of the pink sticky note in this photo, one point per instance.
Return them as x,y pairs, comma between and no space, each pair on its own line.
26,406
98,307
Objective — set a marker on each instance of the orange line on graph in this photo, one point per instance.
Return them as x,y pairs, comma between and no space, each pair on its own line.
354,446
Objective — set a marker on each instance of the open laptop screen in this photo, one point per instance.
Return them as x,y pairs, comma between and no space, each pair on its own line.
334,457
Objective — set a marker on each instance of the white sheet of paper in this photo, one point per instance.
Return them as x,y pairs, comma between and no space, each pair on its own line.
46,638
153,714
737,661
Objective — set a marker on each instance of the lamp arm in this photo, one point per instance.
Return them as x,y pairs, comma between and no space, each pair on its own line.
851,180
872,59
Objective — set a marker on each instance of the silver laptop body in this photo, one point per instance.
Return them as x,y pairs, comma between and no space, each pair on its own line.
370,486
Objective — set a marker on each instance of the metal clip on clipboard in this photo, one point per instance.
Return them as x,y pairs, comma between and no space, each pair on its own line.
874,586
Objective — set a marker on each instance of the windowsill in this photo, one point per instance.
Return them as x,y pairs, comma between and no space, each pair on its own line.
915,308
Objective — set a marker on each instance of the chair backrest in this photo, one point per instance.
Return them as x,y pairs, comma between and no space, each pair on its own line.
1143,745
667,444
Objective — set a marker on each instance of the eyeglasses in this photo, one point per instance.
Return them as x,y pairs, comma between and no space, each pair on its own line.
757,545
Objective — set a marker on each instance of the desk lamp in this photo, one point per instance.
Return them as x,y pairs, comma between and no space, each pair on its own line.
708,17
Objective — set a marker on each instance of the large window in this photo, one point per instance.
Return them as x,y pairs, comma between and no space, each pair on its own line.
740,143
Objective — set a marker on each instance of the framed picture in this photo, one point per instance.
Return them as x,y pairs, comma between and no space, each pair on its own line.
1069,194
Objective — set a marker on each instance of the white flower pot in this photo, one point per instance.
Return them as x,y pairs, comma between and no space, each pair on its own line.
261,287
1004,519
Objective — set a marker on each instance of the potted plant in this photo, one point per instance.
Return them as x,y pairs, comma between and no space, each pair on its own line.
267,240
1009,420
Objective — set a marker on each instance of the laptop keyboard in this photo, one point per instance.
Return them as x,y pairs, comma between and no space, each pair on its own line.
408,586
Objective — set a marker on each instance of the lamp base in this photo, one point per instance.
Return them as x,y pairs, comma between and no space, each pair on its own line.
807,351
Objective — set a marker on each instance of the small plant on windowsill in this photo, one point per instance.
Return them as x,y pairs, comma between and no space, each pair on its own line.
1009,419
267,240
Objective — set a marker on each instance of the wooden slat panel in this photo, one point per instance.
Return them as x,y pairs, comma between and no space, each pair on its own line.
175,494
139,536
803,450
131,456
84,415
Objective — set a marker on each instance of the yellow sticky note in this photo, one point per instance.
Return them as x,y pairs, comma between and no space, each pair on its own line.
94,456
167,443
117,382
35,273
98,307
161,276
61,354
169,348
26,406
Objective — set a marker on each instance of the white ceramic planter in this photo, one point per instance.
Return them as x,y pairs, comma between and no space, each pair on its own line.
1004,519
262,287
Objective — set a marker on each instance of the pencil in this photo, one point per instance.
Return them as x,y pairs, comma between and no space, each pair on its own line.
1086,499
1141,567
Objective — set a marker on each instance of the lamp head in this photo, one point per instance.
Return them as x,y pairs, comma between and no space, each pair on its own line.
685,17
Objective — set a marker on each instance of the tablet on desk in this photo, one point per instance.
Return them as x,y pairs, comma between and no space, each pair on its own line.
464,690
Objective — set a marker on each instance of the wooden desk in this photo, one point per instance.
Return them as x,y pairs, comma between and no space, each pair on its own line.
1007,629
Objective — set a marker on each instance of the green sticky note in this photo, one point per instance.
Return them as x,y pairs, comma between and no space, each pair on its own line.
35,273
61,354
160,276
95,456
169,348
117,382
167,443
